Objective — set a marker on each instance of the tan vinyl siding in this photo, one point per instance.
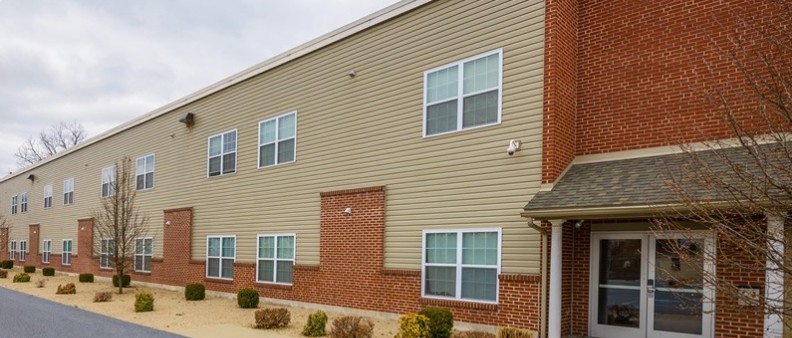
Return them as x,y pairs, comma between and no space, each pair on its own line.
351,132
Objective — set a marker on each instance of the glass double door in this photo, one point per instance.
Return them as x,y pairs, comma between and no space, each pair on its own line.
648,285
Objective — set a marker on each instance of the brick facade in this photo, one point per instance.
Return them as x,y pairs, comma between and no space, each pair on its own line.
33,256
3,244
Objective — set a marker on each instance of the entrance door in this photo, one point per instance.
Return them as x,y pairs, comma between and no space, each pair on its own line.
645,285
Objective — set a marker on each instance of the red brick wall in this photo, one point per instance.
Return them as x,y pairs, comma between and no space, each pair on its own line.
33,257
4,244
744,269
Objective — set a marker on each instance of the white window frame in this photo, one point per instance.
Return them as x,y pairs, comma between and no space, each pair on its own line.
12,249
48,196
275,260
68,191
23,248
150,255
277,139
23,203
109,178
460,93
14,204
221,257
458,265
222,152
46,250
145,160
66,256
106,252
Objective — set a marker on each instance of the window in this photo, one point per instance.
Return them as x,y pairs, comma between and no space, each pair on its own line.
12,249
144,173
46,250
461,264
108,181
275,258
48,196
463,95
22,251
66,252
68,191
107,253
14,200
23,204
222,153
144,250
277,140
220,256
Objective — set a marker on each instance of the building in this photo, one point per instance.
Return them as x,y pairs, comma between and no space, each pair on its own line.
374,159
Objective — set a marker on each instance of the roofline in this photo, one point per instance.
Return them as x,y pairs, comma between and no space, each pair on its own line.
322,41
621,211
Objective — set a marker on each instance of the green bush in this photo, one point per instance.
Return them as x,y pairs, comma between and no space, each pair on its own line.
352,327
441,321
315,327
21,278
86,278
274,318
144,302
194,291
7,264
29,269
125,278
413,325
248,298
510,332
48,271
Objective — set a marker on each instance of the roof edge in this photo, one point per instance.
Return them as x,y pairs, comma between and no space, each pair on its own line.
621,211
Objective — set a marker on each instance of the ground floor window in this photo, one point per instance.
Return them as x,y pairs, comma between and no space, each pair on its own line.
66,252
108,248
462,264
22,251
46,250
144,251
220,256
275,258
12,249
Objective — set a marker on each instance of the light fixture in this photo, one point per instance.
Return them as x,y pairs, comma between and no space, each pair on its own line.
188,119
168,223
579,224
31,177
347,211
514,146
352,73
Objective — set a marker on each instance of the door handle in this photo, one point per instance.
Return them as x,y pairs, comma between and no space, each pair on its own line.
650,286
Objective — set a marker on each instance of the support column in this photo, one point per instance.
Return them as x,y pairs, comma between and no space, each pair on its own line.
774,277
554,308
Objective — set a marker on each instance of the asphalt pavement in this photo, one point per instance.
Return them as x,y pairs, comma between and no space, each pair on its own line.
23,315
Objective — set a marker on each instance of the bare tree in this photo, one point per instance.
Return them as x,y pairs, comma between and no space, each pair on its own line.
740,189
50,141
119,221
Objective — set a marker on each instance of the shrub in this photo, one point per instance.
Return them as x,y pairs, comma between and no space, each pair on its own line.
101,297
413,325
21,278
315,327
48,271
472,334
68,289
144,302
86,278
274,318
41,283
352,327
510,332
125,278
194,291
29,269
248,298
7,264
3,274
441,321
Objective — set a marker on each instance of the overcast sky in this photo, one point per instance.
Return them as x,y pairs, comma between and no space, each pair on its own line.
102,63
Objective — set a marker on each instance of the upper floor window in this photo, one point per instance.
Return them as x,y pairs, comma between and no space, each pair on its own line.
463,95
220,256
144,172
222,153
277,140
48,196
68,191
14,202
23,205
275,258
108,181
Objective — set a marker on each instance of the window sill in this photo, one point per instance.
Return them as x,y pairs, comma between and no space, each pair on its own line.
459,304
218,280
142,273
105,269
274,286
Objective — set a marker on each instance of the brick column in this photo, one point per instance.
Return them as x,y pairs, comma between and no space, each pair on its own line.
3,244
33,257
177,249
84,260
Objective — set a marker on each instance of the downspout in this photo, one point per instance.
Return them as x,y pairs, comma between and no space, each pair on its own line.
543,274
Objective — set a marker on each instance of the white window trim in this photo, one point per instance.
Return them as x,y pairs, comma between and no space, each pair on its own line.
12,249
277,131
67,191
23,202
222,152
23,251
14,204
46,250
220,267
275,259
144,173
460,95
70,252
102,253
144,255
48,194
458,265
111,188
